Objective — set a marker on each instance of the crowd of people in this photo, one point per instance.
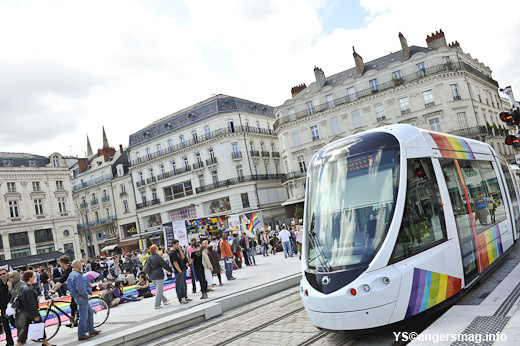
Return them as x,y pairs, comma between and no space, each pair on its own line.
202,262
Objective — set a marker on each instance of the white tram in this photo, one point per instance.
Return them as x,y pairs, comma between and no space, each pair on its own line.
399,220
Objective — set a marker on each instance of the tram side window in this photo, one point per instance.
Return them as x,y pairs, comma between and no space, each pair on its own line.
423,223
494,203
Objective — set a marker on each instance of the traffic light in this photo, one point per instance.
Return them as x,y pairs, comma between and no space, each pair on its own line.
511,117
513,140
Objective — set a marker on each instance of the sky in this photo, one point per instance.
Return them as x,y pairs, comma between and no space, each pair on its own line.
68,68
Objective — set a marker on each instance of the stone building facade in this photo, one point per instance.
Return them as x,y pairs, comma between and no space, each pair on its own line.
438,87
36,209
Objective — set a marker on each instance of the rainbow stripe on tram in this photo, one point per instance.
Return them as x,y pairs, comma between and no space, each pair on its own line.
429,289
489,245
453,147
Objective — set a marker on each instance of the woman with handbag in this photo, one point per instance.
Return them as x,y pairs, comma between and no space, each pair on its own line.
27,309
154,268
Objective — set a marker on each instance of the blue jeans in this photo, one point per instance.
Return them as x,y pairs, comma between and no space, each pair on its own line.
180,285
287,248
251,255
159,297
128,298
229,267
266,248
86,317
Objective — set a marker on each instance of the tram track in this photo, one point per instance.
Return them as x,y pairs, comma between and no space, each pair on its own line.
314,338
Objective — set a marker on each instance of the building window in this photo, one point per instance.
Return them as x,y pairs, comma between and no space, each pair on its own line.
211,155
374,86
207,132
251,146
43,235
161,168
173,167
455,92
245,200
120,171
380,112
291,114
151,175
240,172
148,153
20,253
356,119
62,205
301,164
214,177
18,239
201,180
421,69
351,92
461,117
428,98
330,101
296,138
45,248
178,190
435,124
11,187
310,107
314,132
13,209
159,148
170,145
186,164
234,148
36,186
138,157
194,137
55,161
183,142
231,126
125,206
96,215
141,177
404,105
397,76
255,167
334,126
154,195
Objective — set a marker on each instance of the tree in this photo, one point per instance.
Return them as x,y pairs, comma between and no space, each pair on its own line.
298,213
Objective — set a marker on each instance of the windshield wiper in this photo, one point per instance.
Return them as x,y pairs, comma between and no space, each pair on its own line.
317,246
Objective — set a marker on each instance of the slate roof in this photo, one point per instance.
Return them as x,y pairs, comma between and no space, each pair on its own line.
379,63
23,159
220,104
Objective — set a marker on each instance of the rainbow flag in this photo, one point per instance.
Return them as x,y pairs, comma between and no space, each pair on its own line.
253,223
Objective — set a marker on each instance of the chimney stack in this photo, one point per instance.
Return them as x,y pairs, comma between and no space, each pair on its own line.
404,45
455,45
121,148
320,77
297,89
360,66
436,40
82,164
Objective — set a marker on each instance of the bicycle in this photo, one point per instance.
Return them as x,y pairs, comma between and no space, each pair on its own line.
52,315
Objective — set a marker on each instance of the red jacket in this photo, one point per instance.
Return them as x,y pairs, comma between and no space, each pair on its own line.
225,249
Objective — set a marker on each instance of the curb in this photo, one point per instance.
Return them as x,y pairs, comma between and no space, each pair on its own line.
162,326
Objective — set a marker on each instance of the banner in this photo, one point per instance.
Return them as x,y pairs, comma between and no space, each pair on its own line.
217,206
168,235
234,222
152,221
180,233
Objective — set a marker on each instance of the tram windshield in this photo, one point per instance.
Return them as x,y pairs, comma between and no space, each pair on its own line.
352,189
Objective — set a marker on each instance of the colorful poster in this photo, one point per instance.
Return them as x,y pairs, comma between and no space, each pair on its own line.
217,206
180,233
129,230
234,222
152,221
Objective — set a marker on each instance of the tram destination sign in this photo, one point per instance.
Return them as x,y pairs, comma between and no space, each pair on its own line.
358,163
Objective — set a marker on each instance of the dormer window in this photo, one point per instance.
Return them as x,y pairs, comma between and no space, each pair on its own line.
147,134
191,117
55,161
168,126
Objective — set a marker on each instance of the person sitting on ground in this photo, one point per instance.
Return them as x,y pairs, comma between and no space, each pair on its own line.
118,293
109,297
129,279
143,286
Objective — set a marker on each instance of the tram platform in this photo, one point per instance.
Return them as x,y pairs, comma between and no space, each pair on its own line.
494,321
135,323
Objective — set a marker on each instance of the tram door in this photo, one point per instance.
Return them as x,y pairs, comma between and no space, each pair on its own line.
462,212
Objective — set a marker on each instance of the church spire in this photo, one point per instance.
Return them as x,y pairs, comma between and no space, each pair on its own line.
89,148
105,140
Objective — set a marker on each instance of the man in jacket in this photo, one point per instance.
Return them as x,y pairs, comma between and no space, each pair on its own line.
5,298
80,290
227,256
247,246
178,260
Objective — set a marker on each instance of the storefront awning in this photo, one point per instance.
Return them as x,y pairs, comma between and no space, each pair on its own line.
130,242
32,260
109,248
293,201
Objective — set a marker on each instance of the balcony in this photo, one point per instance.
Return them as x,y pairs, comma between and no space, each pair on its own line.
83,205
293,175
198,165
212,161
236,155
429,104
140,183
123,194
151,180
148,203
477,132
91,182
105,199
106,220
239,180
255,153
214,134
275,154
405,111
265,154
315,138
94,202
456,98
441,68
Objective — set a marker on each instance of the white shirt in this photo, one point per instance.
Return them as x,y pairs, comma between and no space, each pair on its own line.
285,235
299,236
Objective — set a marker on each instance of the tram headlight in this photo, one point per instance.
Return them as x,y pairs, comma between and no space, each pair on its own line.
366,288
386,280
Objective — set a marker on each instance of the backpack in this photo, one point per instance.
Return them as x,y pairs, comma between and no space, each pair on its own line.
146,268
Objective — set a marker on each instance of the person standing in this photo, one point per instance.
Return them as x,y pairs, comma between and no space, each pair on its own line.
214,258
179,261
62,280
28,310
208,275
247,245
5,298
265,243
299,240
79,289
44,277
285,238
196,256
157,264
193,276
227,256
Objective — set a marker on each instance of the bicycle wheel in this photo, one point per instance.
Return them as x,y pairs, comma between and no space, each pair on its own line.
52,321
101,310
